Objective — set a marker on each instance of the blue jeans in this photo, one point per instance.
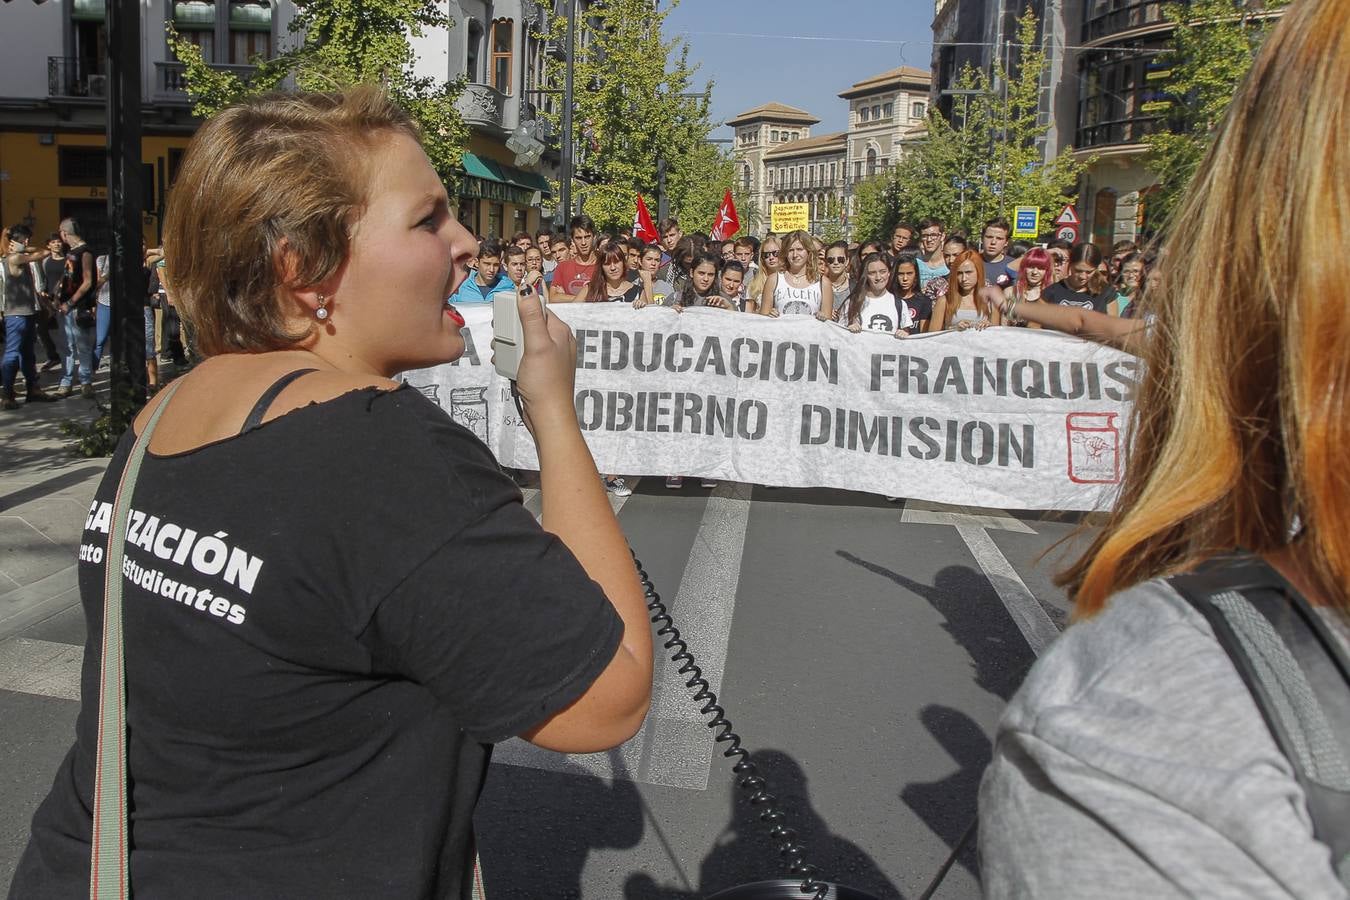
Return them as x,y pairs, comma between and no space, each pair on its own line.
19,336
102,325
79,351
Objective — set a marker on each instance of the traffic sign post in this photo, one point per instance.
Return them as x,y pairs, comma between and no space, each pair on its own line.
1066,225
1026,221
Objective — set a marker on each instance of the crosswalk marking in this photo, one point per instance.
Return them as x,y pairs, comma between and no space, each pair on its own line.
534,501
45,668
674,747
1026,611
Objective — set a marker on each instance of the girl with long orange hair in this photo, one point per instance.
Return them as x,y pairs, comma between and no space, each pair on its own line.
962,308
1134,761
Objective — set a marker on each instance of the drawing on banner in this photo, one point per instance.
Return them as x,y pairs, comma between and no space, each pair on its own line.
468,407
431,391
1094,448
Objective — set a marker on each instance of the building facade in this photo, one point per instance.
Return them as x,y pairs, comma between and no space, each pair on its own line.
812,171
759,131
53,156
885,115
494,45
1102,95
53,150
779,161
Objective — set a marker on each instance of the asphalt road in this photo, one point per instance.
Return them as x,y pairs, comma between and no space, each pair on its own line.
863,650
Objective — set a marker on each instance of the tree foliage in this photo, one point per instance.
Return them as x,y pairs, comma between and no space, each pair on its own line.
339,43
1211,49
982,164
634,104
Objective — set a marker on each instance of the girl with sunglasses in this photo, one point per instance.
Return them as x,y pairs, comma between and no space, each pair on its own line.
770,262
837,265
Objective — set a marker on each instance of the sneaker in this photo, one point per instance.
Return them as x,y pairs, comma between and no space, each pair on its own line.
50,364
64,390
87,391
38,395
674,482
618,487
892,499
8,402
707,483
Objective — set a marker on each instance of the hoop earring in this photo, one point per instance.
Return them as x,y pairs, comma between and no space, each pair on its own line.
322,312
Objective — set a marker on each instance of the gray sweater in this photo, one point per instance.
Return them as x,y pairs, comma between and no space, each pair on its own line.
1134,763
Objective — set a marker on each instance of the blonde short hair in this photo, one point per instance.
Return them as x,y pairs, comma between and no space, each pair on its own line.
266,198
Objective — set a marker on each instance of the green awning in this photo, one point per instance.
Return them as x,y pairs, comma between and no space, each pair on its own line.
490,170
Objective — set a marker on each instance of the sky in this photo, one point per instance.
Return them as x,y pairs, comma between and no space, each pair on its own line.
802,52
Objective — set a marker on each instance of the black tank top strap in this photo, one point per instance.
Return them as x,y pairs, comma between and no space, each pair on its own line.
260,408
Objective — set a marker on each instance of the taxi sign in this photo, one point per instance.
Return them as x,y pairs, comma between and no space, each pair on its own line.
1026,221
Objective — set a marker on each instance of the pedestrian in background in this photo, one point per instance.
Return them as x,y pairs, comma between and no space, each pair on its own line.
19,278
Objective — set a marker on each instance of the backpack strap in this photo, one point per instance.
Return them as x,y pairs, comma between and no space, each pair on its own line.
1298,674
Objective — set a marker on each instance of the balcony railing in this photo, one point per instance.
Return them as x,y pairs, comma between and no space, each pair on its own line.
1117,131
171,80
1102,23
484,105
75,77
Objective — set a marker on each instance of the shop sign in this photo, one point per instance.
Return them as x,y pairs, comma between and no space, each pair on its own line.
483,189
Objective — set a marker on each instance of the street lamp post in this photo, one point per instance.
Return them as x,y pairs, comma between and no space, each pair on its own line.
567,162
126,275
965,94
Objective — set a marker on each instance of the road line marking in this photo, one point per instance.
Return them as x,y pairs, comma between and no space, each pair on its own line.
921,512
702,609
43,668
1032,620
534,502
674,747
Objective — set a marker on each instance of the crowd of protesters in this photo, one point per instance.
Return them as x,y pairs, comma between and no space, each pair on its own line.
921,279
57,298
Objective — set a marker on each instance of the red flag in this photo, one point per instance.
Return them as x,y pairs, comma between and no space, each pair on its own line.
727,223
642,223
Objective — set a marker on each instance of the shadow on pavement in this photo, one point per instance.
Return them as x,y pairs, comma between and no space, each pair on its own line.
947,806
745,853
48,486
536,828
975,618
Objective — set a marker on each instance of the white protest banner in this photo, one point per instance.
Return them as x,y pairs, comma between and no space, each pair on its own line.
1011,418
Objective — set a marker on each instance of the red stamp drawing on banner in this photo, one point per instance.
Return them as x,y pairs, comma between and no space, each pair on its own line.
1094,448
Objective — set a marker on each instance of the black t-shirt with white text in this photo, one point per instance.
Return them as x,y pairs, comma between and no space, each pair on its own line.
1061,293
328,622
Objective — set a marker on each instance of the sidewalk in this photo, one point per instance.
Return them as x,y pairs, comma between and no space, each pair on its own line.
45,491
